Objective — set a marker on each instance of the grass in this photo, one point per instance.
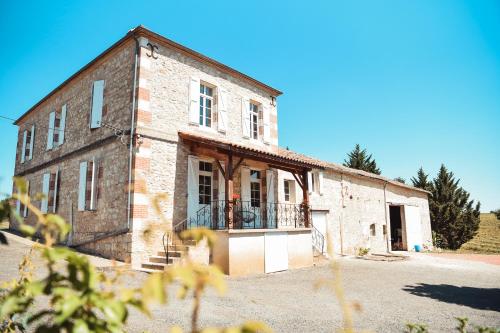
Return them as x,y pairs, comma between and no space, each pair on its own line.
487,239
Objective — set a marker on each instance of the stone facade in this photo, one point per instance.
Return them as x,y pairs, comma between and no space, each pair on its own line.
81,144
352,204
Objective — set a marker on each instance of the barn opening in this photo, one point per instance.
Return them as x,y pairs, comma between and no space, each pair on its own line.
397,239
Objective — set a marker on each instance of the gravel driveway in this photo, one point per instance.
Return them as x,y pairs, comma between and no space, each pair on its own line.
424,289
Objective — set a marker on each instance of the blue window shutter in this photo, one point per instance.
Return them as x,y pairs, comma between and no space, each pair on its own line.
97,104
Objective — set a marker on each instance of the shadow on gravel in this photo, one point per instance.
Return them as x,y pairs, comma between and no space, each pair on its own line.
477,298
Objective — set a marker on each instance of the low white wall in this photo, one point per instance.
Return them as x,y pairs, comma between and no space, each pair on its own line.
242,252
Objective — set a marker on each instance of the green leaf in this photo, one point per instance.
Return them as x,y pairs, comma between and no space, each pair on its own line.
58,223
114,311
68,306
27,230
153,288
80,327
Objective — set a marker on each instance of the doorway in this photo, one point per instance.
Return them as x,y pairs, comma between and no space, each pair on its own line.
398,242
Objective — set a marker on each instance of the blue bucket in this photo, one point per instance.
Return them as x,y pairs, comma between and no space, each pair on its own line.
418,248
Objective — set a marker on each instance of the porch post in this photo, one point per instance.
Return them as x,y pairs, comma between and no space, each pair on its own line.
228,183
305,197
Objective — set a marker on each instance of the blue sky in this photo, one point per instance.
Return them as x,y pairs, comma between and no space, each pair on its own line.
415,82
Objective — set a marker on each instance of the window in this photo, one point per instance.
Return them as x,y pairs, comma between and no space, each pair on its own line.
287,190
205,183
91,173
373,230
28,144
206,103
315,179
57,123
255,191
50,188
254,121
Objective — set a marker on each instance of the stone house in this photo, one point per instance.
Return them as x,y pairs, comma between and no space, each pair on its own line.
149,116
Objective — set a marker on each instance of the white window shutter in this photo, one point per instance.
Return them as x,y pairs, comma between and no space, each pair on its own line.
245,117
93,192
82,186
270,185
266,115
97,104
56,183
320,182
222,184
245,184
25,211
310,182
194,101
32,142
222,110
193,187
23,150
50,131
45,190
62,125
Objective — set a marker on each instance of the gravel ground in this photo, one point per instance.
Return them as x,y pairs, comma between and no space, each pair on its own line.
424,289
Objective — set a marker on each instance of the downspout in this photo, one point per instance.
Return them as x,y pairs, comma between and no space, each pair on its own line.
132,134
387,231
341,217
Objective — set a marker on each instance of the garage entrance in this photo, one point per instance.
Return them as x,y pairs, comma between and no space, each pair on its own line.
398,241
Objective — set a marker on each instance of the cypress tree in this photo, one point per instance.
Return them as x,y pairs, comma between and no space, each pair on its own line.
400,179
454,218
359,159
422,180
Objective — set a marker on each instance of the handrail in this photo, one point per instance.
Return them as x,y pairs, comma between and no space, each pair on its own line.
316,233
167,234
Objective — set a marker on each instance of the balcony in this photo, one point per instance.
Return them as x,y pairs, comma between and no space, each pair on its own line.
246,215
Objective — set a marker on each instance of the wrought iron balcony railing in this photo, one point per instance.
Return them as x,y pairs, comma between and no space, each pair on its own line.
246,215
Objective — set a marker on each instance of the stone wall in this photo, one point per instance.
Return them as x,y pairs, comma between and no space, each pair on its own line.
116,68
354,203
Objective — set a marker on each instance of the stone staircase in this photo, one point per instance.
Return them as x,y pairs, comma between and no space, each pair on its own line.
176,253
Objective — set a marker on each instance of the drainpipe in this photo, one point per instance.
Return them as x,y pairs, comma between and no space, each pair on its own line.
387,231
132,134
341,217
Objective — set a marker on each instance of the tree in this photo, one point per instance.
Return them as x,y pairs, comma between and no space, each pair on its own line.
422,180
359,159
400,179
497,213
454,218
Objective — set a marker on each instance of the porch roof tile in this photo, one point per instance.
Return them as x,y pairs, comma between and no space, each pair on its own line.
290,155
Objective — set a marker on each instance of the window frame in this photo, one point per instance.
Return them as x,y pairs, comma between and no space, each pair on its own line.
202,104
204,174
254,121
255,203
286,190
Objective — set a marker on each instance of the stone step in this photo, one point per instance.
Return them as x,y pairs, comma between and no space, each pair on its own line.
163,259
171,253
178,247
154,266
